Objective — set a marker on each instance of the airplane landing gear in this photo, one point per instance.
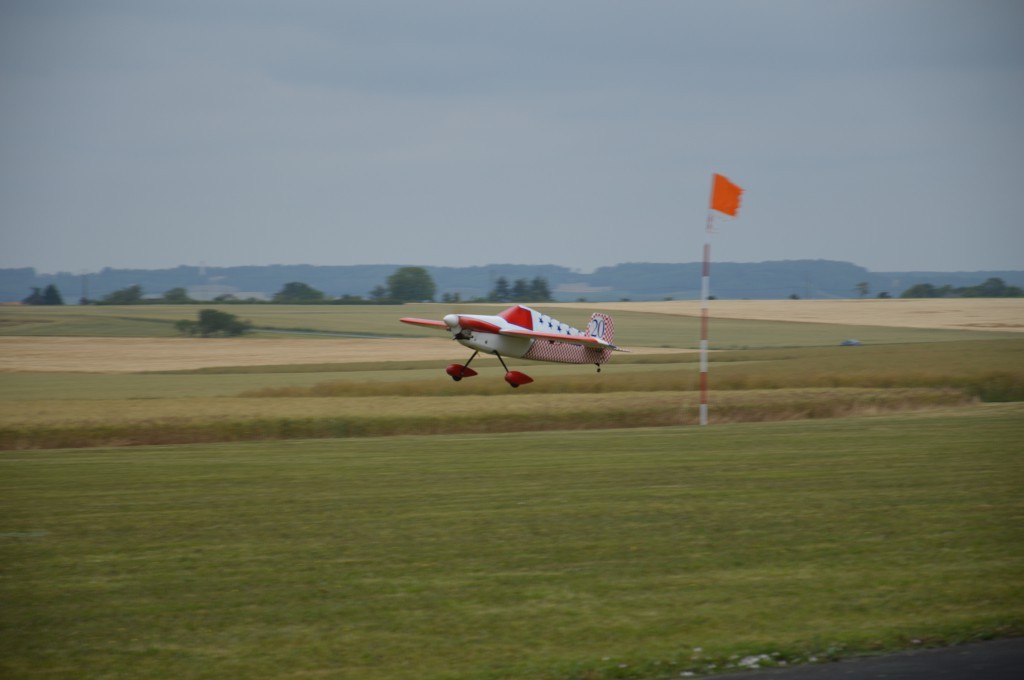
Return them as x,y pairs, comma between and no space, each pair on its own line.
460,371
513,378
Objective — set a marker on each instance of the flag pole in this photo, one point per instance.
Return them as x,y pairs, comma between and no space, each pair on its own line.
705,289
725,198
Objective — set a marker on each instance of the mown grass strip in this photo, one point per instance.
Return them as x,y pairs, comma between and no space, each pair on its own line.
638,554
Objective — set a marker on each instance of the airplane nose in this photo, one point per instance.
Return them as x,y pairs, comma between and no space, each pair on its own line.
451,320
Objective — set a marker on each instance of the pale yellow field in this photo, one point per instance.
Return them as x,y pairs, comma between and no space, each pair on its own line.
130,355
63,413
1002,314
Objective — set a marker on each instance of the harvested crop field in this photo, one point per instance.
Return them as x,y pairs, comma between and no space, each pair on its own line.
131,355
989,314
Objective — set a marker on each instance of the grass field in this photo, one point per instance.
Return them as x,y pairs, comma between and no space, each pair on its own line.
639,324
276,533
47,410
618,554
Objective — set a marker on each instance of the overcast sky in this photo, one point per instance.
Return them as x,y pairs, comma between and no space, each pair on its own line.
581,133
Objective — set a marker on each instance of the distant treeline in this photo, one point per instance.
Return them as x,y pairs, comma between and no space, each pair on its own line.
363,284
992,288
407,284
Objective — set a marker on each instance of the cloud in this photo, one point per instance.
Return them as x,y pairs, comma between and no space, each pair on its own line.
455,132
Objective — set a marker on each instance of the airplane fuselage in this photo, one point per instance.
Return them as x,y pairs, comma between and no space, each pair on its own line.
481,333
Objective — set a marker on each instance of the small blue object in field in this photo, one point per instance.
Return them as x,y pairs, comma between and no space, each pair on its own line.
851,343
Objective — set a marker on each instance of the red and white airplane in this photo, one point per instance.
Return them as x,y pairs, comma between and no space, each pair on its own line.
523,332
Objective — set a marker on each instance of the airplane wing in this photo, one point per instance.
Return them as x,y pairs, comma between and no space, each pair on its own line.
429,323
585,340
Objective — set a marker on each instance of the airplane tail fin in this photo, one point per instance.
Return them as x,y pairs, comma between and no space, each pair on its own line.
601,326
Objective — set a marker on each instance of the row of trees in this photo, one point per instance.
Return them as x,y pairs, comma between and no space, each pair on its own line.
407,284
45,296
521,290
414,284
992,288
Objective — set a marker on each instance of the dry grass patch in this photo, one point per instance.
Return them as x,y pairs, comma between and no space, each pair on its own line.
56,424
59,413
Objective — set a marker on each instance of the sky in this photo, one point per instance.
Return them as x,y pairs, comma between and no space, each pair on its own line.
581,133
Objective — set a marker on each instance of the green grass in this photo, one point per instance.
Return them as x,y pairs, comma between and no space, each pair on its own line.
108,322
21,387
594,555
158,320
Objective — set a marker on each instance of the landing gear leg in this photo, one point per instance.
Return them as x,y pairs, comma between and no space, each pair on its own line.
513,378
502,361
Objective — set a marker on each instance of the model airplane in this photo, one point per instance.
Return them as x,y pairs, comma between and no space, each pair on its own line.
523,332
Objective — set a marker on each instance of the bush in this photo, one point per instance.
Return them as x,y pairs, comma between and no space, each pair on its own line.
50,296
213,322
298,293
132,295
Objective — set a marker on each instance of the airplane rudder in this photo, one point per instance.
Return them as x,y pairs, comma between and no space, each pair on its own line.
601,326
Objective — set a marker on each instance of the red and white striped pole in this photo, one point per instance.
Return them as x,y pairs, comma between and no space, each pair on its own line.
705,290
725,198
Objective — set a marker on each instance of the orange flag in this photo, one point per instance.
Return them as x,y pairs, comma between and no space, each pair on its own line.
725,196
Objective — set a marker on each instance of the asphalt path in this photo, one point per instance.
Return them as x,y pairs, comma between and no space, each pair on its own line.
994,660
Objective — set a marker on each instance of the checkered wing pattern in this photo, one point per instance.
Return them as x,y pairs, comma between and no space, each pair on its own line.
565,353
600,326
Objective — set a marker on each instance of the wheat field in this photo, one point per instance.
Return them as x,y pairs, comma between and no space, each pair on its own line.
1002,314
